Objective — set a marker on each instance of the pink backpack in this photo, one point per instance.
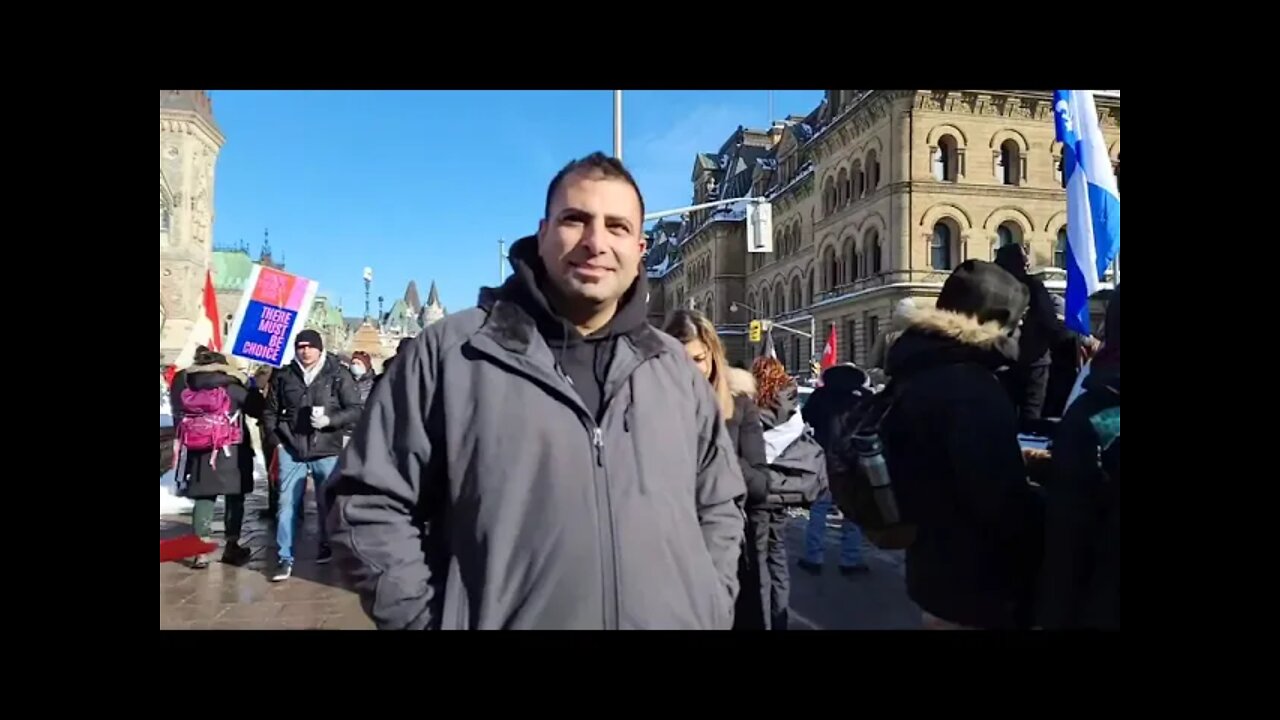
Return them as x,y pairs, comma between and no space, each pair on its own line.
207,422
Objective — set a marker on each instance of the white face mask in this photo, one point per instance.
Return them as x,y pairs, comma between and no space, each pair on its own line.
357,369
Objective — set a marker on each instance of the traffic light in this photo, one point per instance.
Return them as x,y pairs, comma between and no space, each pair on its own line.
756,331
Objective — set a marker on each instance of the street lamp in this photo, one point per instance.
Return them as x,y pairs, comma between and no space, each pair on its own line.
368,279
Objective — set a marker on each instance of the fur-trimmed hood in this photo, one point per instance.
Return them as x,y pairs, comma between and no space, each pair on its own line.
741,382
234,372
940,337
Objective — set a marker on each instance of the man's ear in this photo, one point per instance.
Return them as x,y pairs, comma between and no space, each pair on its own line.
542,228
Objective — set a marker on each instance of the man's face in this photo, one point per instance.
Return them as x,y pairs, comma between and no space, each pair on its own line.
591,240
307,354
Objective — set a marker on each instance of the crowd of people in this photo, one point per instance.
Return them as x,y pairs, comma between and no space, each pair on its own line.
551,460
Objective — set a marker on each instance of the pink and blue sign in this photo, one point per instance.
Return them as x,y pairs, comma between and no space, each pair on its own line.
271,315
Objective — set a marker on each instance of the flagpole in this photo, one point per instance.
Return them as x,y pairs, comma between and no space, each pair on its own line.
617,124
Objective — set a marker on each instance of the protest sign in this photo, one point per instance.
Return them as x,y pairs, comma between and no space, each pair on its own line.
272,312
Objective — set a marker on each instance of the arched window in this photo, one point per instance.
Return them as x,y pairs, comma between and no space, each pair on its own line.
940,246
1007,234
859,180
832,264
854,268
1009,171
808,298
779,299
842,185
945,159
796,299
873,251
873,171
829,197
1060,249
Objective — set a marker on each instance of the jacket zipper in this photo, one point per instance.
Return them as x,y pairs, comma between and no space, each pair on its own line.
610,550
600,477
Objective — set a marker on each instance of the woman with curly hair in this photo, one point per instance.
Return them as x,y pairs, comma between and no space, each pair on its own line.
795,458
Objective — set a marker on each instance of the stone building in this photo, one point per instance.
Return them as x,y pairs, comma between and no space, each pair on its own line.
190,141
877,195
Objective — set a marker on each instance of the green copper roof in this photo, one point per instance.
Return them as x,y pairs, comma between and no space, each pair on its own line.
231,270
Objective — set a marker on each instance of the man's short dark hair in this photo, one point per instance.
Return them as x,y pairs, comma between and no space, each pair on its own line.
596,162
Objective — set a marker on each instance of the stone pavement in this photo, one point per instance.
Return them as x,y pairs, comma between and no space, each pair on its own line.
237,598
223,597
830,601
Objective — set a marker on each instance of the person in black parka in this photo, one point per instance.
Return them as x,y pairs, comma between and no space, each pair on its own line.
231,472
951,445
1081,584
1027,379
735,390
312,401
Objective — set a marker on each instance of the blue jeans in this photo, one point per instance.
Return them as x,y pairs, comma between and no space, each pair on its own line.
293,488
816,532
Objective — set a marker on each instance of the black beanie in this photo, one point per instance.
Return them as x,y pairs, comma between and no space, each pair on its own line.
310,337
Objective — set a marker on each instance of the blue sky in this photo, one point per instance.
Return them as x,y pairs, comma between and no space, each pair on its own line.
421,184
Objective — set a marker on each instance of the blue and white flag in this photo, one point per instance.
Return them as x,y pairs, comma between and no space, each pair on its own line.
1093,201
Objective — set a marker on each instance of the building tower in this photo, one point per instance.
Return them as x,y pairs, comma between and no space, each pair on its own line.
189,145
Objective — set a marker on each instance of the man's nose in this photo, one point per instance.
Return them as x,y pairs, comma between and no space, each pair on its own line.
593,237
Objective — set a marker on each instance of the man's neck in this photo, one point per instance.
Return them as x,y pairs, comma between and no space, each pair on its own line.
587,318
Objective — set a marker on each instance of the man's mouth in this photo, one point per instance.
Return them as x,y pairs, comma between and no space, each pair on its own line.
590,270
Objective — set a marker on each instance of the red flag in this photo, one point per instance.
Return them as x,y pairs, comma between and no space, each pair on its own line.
829,350
211,312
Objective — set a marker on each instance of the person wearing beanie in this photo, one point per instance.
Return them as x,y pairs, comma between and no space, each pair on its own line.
951,444
311,403
362,371
843,387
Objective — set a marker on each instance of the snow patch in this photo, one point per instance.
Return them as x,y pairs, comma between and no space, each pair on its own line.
170,503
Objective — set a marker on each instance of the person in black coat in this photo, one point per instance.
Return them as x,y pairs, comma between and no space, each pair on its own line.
1027,379
1081,587
208,474
951,445
735,390
311,402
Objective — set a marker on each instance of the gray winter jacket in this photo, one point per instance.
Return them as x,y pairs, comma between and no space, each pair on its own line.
478,492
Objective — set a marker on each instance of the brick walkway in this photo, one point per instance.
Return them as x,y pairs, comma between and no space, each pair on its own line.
223,597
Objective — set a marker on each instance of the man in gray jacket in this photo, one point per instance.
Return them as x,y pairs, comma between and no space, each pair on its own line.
548,459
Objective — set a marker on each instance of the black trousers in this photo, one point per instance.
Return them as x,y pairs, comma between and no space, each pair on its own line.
779,573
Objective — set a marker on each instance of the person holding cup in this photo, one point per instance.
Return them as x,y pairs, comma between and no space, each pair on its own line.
312,401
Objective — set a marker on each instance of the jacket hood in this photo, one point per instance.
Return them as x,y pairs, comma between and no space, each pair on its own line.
902,313
781,409
778,439
526,286
941,337
741,382
232,373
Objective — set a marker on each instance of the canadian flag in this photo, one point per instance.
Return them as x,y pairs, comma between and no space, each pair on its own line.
211,312
829,350
208,328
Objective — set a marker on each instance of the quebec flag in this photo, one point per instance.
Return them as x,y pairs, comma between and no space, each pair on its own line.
1093,201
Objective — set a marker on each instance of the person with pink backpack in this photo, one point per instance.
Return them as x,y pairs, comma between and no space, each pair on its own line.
209,402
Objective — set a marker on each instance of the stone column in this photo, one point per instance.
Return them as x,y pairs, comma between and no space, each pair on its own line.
900,206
